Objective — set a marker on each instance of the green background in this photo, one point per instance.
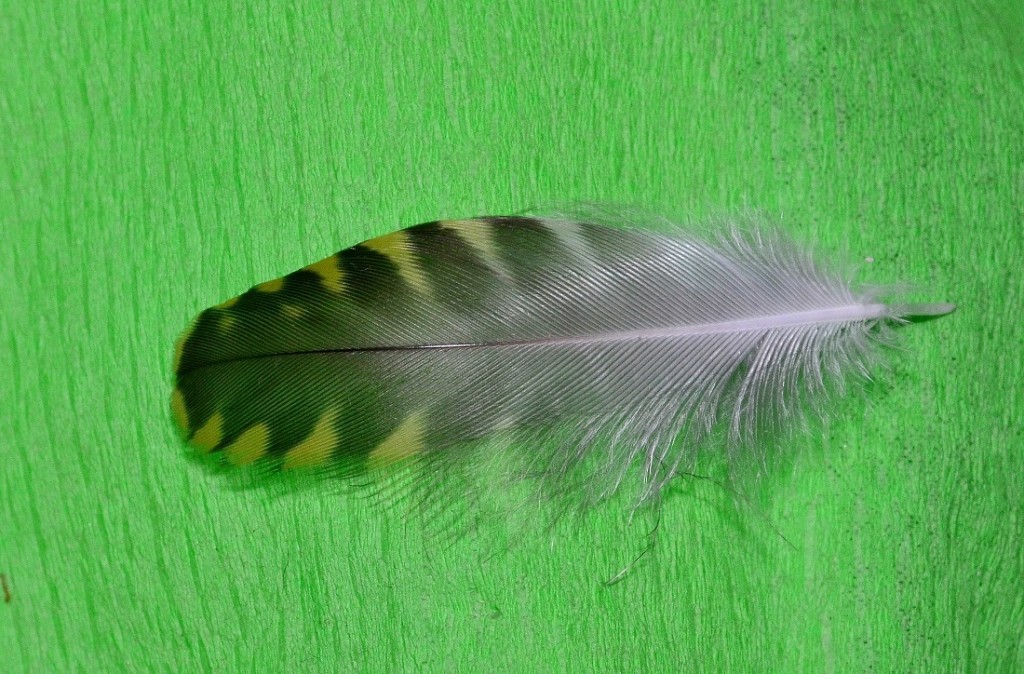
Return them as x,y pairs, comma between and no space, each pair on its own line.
160,157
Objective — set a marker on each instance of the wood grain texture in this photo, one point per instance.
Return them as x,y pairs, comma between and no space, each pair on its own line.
157,160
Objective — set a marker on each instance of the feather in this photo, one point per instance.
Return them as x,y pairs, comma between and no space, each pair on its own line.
591,352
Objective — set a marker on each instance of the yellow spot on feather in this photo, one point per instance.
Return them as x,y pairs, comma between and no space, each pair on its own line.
178,410
250,446
270,286
479,234
404,442
398,248
227,304
316,449
226,322
211,433
330,273
292,311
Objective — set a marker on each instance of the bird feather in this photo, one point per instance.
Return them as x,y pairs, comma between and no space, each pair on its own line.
596,352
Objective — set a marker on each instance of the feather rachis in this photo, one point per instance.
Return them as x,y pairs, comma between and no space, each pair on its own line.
615,342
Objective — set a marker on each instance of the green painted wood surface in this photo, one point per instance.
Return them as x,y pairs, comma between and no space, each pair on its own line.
156,159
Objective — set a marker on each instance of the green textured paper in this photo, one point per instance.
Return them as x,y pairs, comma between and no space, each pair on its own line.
156,159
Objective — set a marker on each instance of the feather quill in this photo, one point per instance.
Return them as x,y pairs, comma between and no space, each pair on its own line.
595,352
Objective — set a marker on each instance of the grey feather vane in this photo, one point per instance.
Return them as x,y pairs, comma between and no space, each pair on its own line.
590,353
